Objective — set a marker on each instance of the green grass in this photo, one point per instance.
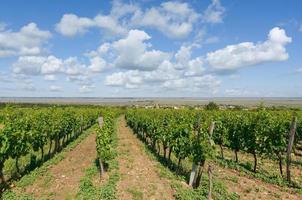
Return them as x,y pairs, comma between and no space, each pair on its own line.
136,194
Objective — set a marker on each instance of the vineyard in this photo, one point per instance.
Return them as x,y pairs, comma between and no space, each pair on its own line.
191,148
28,130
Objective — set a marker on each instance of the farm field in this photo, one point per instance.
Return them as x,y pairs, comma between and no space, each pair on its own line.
150,100
127,153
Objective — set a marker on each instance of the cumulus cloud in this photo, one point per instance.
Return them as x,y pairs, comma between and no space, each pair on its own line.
191,67
132,52
130,79
165,77
97,64
27,41
71,24
49,67
182,57
247,53
174,19
136,78
214,13
38,65
109,24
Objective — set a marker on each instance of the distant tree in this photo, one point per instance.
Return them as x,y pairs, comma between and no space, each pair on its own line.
238,107
211,106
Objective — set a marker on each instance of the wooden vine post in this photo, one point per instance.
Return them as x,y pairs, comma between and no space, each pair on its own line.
2,180
291,138
210,168
102,169
194,174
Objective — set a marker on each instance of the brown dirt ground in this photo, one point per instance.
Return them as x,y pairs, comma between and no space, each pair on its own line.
250,188
139,179
62,180
269,165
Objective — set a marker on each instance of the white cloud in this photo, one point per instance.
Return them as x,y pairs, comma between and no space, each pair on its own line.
165,71
86,88
175,84
4,77
109,24
71,25
29,65
182,57
132,52
97,64
120,9
37,65
214,13
247,53
300,28
54,88
206,82
28,41
129,79
166,76
50,77
191,67
195,67
73,67
50,66
174,19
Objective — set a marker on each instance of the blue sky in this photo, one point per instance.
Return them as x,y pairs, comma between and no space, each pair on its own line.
149,48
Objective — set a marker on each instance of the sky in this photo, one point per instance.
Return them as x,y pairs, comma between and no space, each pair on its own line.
150,48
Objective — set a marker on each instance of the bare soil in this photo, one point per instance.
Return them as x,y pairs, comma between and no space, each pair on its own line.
269,165
62,180
251,188
139,177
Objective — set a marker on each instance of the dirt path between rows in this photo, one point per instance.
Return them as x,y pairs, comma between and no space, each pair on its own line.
251,188
139,179
62,180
